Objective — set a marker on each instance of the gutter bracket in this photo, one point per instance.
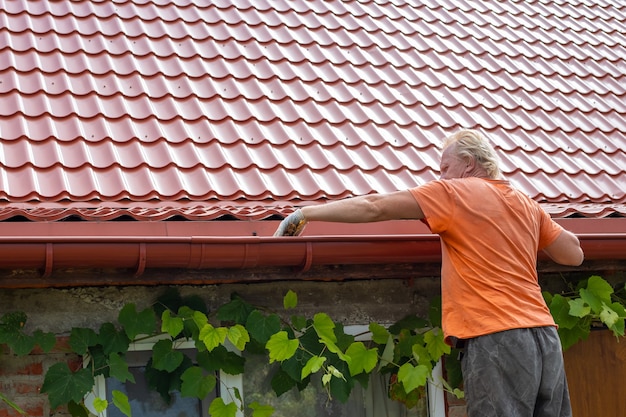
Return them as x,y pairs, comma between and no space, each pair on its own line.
141,265
308,258
49,261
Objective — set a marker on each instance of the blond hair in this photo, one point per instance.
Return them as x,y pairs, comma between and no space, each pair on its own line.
471,144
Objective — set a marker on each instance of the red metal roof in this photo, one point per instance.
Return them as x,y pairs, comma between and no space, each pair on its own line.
238,108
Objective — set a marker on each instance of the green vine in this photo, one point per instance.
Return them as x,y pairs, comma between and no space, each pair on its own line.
594,303
303,347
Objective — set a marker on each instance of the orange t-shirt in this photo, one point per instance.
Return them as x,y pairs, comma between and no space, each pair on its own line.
490,235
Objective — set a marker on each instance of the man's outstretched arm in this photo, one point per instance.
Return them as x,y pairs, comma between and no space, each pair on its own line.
362,209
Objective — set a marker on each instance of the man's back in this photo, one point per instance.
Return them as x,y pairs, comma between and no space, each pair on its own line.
490,237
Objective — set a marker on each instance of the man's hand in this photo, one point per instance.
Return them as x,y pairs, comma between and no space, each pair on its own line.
292,225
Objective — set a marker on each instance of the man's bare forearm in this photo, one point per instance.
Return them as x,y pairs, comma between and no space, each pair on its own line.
367,208
351,210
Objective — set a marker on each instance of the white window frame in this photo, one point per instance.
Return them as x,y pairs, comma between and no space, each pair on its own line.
434,388
146,345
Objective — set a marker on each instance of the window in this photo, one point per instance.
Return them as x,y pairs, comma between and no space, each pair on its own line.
254,385
145,402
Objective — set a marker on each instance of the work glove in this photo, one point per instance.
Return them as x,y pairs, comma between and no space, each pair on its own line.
291,225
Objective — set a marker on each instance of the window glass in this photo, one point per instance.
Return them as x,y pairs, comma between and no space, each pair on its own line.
146,402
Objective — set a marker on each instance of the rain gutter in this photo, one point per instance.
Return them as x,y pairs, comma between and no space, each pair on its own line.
124,245
201,252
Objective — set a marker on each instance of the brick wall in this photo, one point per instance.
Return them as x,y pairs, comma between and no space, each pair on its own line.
21,379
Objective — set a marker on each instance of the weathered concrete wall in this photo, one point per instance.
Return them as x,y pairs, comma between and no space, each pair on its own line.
350,302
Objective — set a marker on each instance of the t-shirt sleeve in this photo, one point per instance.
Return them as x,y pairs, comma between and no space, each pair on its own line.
550,230
437,204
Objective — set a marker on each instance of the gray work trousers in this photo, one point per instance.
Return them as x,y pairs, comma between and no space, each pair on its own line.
516,373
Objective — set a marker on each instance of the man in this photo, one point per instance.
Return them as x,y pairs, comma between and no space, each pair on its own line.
492,304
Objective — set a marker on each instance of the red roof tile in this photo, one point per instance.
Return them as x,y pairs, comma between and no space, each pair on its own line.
160,109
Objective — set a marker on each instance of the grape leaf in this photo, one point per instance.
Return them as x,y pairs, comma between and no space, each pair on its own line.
332,347
100,404
294,365
196,384
290,300
81,339
608,316
312,365
421,355
112,340
212,337
577,308
137,323
77,410
199,318
598,291
281,347
435,343
412,377
343,339
62,385
360,358
406,340
434,312
237,310
22,344
119,369
261,327
238,335
397,393
618,326
219,409
221,359
46,341
282,382
324,327
14,321
171,325
380,335
121,402
164,357
570,336
298,322
560,308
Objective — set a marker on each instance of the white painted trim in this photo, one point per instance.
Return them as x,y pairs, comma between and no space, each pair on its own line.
436,401
231,382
